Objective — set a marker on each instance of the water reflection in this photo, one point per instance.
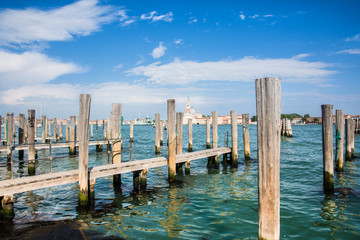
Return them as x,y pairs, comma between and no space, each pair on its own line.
171,222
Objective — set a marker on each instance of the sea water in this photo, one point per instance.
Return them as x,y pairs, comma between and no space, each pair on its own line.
208,203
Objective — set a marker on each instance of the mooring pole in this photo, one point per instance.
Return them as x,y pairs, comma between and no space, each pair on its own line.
72,127
31,141
179,139
246,124
172,139
21,134
84,115
328,151
132,131
268,108
157,133
234,139
116,128
216,159
208,133
9,135
349,139
339,140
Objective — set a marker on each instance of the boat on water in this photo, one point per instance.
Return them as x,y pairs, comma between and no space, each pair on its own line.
144,121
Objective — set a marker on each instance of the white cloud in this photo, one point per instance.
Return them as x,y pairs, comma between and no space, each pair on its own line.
254,16
31,68
268,15
350,51
192,20
155,17
19,27
355,38
301,56
179,41
159,51
242,16
117,67
243,70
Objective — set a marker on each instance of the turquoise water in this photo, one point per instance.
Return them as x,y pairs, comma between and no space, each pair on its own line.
209,203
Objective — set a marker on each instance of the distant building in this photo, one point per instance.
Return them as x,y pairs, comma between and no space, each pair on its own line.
191,114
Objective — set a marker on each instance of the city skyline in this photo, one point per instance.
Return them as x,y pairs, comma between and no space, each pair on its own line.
141,53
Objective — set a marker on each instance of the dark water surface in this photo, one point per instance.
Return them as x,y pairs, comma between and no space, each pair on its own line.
208,204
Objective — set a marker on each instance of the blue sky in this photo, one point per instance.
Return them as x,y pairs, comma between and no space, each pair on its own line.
141,53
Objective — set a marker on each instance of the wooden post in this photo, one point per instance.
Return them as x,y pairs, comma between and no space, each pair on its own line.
190,134
21,130
72,127
49,128
104,128
67,131
157,133
245,124
98,146
116,135
179,139
9,135
43,129
132,131
234,139
349,139
31,141
161,133
55,129
92,130
25,129
171,139
339,140
327,141
216,160
208,134
84,115
143,180
60,130
35,121
0,129
108,129
268,108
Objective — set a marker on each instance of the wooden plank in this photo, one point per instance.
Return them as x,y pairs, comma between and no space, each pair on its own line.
19,185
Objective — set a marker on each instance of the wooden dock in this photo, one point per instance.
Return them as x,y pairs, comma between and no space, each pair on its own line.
19,185
53,145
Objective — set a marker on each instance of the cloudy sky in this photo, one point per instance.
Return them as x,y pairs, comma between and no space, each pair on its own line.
141,53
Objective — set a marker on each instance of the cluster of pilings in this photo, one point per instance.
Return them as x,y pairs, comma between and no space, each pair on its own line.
286,129
327,135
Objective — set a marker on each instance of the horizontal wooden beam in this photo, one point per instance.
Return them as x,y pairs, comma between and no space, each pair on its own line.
18,185
53,145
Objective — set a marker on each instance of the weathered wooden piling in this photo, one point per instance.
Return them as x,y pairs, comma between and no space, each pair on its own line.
349,139
179,139
55,129
216,160
35,127
104,128
31,141
245,125
108,129
171,137
21,131
91,130
84,115
288,128
327,141
116,134
9,135
43,129
72,127
98,146
48,131
234,139
157,133
190,132
208,145
339,159
0,129
67,131
60,130
132,131
268,108
161,133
